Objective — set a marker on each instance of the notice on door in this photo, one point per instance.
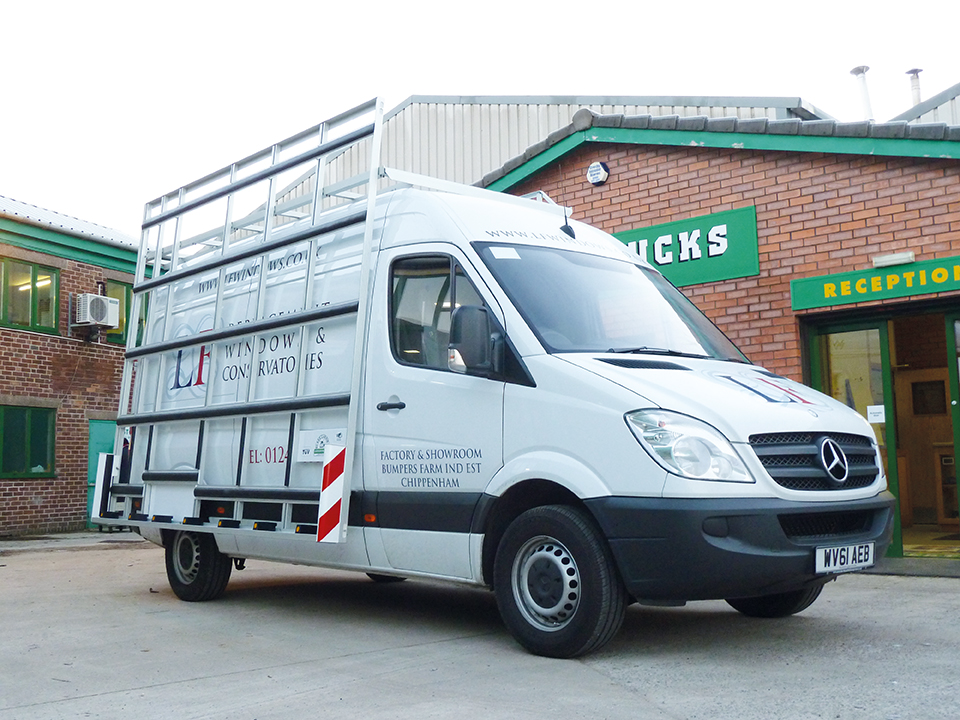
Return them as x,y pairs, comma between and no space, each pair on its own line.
876,414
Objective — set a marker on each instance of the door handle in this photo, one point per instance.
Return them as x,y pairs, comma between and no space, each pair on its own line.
391,406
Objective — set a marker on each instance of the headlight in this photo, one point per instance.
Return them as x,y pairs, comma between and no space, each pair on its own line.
687,447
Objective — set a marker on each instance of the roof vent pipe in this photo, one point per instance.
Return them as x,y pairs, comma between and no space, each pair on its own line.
861,73
915,84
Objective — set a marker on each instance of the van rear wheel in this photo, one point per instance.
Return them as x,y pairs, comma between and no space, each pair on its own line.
776,606
556,584
196,569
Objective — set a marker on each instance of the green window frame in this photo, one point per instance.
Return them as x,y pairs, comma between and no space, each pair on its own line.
29,296
27,436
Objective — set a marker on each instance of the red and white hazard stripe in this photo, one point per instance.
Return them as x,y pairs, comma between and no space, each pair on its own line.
331,494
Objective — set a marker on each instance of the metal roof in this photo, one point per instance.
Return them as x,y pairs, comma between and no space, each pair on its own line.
464,137
782,107
942,107
65,224
868,138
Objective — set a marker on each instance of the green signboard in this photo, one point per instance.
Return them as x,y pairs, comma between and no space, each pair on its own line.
703,249
918,278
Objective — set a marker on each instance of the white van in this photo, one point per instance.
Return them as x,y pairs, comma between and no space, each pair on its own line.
466,386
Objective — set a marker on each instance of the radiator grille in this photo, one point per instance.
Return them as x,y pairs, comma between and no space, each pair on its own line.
793,460
828,524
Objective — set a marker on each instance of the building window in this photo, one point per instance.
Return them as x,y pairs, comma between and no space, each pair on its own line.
124,294
26,441
28,295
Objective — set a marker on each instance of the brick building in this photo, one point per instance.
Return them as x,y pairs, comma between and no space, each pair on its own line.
829,252
59,385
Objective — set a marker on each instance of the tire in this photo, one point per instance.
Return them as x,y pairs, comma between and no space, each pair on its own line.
557,587
381,579
196,569
776,606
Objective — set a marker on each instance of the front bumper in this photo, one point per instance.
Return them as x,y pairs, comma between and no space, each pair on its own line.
673,550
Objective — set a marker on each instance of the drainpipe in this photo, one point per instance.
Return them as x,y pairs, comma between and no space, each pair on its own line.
861,73
915,84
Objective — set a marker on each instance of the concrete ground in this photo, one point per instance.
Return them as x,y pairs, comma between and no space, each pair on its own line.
90,628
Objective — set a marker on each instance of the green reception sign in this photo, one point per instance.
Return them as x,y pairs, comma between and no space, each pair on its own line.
919,278
703,249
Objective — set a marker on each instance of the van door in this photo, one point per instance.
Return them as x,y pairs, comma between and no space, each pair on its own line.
432,437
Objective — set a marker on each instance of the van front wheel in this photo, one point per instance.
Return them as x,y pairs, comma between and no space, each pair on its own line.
556,584
196,569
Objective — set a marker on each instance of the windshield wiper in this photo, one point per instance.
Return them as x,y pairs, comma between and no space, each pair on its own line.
645,350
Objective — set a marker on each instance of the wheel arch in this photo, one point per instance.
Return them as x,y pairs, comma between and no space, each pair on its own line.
529,480
503,510
166,536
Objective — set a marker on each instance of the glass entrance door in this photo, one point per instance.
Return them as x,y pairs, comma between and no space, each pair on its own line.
852,365
948,501
903,374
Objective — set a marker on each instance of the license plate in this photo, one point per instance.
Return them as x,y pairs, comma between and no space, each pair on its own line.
844,558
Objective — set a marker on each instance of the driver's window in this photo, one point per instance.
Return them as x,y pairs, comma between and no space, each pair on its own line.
425,289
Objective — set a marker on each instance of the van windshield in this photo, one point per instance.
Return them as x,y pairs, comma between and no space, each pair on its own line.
576,302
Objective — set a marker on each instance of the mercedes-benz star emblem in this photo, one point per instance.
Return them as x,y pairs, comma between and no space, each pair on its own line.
834,460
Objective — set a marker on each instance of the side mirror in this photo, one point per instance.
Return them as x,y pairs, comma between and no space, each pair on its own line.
472,347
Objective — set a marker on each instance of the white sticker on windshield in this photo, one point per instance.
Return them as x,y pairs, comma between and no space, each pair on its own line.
505,253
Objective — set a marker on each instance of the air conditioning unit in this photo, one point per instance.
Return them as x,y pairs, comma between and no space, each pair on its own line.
97,310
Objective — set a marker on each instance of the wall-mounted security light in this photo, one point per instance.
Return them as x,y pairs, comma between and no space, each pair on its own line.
900,258
598,173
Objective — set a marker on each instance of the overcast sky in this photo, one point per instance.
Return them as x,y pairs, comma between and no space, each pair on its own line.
107,104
